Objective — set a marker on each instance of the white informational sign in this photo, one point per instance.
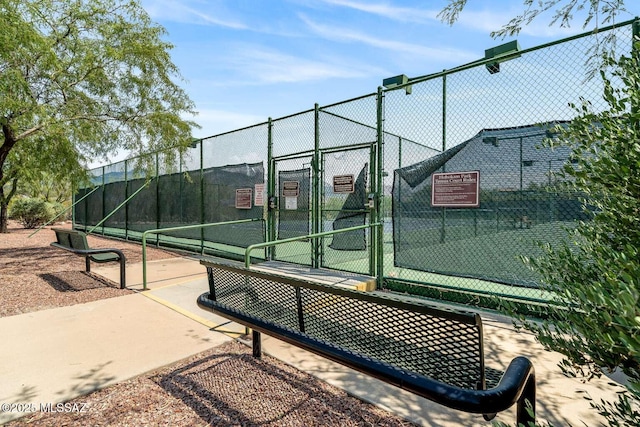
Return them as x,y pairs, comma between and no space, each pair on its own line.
455,189
291,203
244,196
259,194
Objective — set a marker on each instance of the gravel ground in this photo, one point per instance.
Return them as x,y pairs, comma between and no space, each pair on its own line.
35,276
224,386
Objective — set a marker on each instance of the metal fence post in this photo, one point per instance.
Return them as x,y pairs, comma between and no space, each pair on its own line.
126,197
315,200
157,197
201,196
272,211
377,233
102,215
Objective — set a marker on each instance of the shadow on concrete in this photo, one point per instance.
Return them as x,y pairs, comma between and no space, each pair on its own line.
87,382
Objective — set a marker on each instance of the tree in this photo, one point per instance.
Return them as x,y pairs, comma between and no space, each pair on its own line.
595,321
80,80
603,12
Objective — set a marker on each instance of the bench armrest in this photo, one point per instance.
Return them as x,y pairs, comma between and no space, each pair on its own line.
87,253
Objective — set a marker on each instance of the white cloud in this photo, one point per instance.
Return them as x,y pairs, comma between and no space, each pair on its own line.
483,20
214,122
488,21
275,67
253,65
168,10
397,13
346,35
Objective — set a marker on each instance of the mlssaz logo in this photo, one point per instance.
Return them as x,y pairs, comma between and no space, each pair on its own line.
63,407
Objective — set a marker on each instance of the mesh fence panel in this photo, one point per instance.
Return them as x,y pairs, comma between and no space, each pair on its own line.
294,134
248,145
294,210
142,209
115,194
347,140
458,121
222,204
293,140
493,124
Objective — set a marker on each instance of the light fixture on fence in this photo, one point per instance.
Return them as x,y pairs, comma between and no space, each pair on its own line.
391,82
500,54
194,143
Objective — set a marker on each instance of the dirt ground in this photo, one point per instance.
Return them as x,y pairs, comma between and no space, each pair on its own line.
36,276
224,386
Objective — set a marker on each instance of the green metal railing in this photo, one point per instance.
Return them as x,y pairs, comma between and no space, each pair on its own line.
184,227
311,237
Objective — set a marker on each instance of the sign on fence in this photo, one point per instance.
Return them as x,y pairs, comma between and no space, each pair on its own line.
455,189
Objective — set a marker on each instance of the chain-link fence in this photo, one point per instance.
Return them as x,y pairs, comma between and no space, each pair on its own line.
451,164
464,219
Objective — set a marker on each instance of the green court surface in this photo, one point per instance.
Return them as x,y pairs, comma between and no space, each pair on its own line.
479,254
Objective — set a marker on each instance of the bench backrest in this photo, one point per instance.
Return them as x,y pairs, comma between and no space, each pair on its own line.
73,239
442,344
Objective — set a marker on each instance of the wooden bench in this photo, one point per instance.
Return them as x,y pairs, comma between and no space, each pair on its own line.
76,241
433,352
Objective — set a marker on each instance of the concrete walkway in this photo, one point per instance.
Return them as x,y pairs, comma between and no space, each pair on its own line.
58,354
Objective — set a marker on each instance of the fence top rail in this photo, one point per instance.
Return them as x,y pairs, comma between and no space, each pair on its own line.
247,252
484,61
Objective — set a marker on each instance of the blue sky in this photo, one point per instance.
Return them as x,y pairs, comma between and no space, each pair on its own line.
246,60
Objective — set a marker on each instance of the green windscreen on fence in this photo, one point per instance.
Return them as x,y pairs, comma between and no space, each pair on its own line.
229,195
477,208
351,215
294,206
216,194
142,210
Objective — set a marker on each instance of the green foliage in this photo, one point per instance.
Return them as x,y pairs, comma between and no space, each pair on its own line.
621,413
603,12
32,213
596,276
80,80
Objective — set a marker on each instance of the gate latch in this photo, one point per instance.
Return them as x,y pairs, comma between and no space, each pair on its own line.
371,201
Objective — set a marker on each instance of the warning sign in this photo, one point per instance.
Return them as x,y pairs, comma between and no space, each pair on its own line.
244,196
343,184
259,194
455,189
290,189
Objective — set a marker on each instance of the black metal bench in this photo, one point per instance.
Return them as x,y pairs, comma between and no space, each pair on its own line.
433,352
76,241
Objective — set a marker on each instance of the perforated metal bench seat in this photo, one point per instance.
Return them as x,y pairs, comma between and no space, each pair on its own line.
433,352
76,242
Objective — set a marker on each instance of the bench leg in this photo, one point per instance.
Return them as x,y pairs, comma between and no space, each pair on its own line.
123,283
256,343
87,263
